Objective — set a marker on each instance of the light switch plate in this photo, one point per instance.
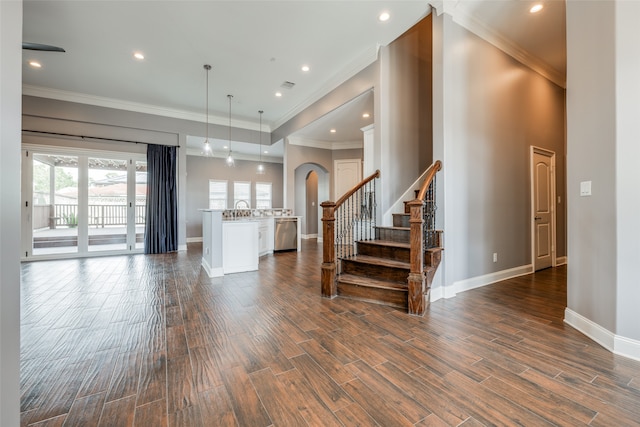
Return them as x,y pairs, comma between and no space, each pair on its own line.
585,188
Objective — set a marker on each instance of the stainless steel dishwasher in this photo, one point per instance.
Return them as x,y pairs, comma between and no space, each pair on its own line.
286,234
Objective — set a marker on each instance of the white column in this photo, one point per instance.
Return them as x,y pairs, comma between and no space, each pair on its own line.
368,163
10,124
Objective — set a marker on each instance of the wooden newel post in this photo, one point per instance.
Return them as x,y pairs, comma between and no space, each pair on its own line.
416,282
328,273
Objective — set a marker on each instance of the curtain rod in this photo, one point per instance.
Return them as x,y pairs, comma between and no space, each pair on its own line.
93,137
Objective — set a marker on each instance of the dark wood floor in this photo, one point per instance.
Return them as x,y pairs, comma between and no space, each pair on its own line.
152,341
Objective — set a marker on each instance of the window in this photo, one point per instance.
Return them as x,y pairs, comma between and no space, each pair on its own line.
263,195
217,194
241,195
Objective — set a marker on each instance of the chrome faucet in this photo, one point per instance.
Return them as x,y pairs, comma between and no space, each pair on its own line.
244,205
241,202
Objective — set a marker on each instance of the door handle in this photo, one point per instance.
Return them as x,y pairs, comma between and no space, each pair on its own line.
537,218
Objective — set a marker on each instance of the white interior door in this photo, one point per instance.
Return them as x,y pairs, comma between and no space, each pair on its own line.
543,193
347,174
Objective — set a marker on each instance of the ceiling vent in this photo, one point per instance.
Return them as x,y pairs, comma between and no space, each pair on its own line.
287,85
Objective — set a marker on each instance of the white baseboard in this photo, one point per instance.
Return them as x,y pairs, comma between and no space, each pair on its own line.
440,292
309,236
319,239
477,282
182,247
436,294
617,344
211,271
561,260
194,239
487,279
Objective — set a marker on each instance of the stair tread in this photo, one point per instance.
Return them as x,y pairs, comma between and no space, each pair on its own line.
372,282
367,259
382,242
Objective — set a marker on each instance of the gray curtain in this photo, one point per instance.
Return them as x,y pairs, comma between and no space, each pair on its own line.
161,230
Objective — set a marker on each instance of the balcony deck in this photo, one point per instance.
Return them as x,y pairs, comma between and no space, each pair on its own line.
47,241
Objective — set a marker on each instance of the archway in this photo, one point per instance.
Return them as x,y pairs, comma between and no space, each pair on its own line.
302,196
311,211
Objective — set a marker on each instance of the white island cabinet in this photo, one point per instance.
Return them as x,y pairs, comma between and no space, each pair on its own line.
235,244
228,246
239,246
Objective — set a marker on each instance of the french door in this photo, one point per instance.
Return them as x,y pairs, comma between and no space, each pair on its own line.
82,203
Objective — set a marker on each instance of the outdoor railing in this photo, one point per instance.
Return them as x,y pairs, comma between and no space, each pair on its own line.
98,215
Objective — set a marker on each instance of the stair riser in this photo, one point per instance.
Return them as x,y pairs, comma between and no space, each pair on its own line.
394,298
378,271
433,258
401,220
395,235
398,254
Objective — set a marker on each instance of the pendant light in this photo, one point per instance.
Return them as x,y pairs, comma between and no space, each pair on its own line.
260,170
230,161
206,146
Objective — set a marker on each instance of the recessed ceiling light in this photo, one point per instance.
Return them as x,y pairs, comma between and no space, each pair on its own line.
225,146
305,68
138,55
366,115
384,16
536,8
332,131
35,64
266,151
278,94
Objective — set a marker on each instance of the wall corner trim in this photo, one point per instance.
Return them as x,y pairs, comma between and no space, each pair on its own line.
212,271
182,247
616,344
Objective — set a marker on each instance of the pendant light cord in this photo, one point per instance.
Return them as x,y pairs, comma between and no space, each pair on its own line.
261,111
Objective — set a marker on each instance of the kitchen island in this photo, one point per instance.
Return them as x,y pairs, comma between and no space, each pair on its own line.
235,243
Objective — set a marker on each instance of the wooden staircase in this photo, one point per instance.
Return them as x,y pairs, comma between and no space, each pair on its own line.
379,271
386,265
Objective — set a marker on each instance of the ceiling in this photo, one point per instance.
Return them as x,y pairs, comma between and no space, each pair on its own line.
253,48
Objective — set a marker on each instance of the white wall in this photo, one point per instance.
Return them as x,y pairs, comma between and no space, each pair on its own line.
403,141
489,109
202,169
591,154
627,33
603,132
10,124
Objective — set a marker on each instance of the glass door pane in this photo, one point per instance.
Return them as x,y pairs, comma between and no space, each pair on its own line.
55,204
140,202
107,204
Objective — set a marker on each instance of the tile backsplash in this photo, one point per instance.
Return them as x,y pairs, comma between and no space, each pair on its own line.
253,213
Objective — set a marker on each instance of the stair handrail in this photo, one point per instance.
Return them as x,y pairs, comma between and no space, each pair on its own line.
356,187
420,227
431,173
330,268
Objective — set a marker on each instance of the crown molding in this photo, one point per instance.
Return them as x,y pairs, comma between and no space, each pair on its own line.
237,156
360,62
471,23
118,104
325,145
